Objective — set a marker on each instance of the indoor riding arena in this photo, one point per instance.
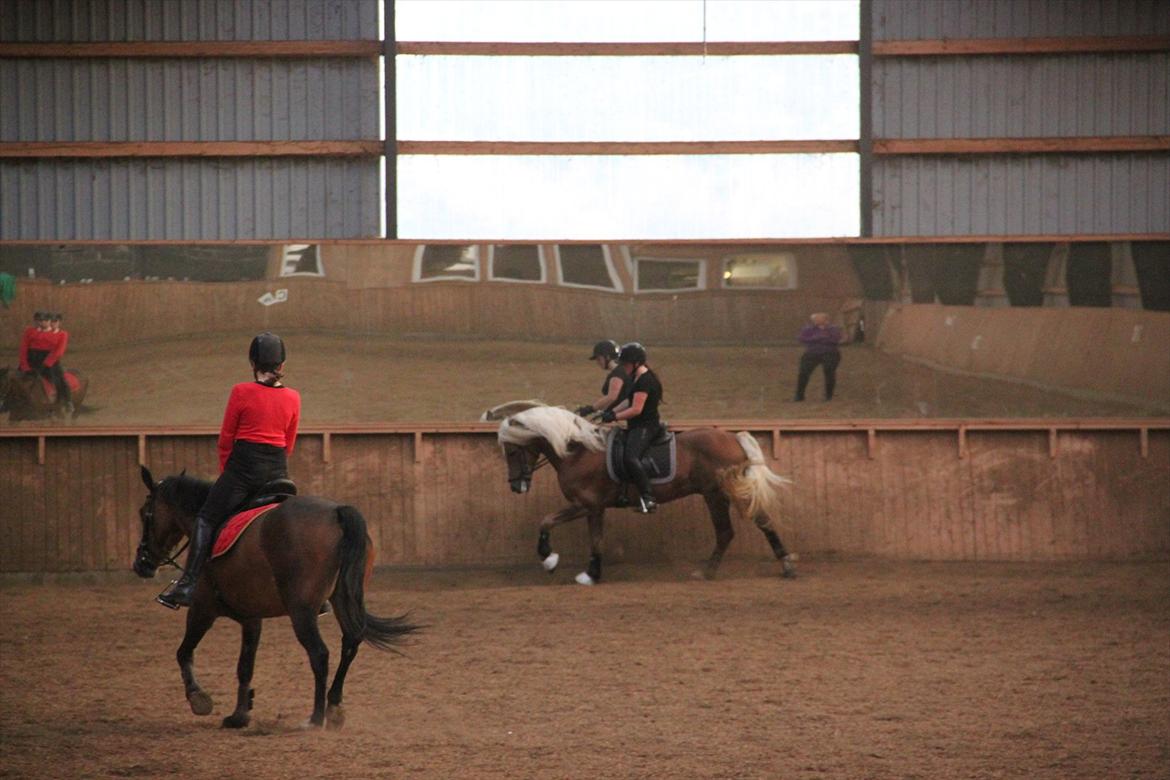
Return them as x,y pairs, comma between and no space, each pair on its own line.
900,267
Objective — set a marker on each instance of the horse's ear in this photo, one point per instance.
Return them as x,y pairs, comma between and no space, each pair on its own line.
147,479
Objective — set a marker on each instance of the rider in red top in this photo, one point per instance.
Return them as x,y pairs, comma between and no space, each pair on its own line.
60,340
258,432
36,343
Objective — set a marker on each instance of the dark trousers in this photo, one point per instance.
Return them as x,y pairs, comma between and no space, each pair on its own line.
637,441
54,373
809,363
250,467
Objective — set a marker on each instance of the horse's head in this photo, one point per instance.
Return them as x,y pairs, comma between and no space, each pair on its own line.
521,463
162,527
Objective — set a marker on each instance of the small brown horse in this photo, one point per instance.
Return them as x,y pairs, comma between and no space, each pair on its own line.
25,396
290,561
726,469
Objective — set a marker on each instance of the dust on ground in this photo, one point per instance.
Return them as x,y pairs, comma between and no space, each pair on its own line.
859,669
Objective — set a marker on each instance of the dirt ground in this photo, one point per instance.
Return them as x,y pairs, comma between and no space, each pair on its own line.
368,378
860,669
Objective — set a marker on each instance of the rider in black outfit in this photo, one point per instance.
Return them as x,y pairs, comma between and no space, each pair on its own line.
615,388
643,423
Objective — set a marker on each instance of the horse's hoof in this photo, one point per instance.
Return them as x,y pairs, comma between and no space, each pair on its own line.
200,702
334,716
584,579
311,725
787,569
550,563
237,720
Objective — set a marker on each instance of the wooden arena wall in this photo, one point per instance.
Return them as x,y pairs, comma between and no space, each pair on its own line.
441,499
1113,353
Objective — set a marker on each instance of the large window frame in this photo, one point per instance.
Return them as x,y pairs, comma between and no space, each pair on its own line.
491,267
793,271
607,255
420,252
700,280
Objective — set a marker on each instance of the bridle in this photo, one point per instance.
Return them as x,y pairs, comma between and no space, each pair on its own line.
144,549
527,471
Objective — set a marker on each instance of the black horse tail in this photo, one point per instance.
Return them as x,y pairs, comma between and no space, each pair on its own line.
349,601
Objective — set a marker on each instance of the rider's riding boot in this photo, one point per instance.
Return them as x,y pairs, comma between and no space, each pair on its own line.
181,592
646,502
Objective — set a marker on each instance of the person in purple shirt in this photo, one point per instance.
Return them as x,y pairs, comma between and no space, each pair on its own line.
820,340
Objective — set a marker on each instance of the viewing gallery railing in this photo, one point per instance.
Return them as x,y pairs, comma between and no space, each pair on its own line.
870,428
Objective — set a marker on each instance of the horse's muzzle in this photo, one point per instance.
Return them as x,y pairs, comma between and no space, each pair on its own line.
144,567
520,485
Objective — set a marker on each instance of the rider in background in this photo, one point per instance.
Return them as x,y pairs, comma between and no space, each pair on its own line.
617,381
258,432
53,362
35,344
641,416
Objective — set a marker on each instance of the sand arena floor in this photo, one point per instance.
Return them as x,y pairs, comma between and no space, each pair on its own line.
370,378
853,670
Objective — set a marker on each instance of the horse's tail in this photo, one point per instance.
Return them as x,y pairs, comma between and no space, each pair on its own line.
356,562
752,486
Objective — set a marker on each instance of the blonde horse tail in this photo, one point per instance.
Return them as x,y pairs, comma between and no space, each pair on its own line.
755,490
752,486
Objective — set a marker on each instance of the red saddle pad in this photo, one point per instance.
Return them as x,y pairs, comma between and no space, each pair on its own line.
235,527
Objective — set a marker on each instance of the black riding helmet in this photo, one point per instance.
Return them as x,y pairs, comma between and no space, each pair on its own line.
633,353
267,350
607,349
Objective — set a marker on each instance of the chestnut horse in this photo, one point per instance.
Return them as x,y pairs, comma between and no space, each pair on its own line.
726,469
289,561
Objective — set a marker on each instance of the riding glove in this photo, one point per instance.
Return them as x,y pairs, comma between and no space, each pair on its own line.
585,411
608,416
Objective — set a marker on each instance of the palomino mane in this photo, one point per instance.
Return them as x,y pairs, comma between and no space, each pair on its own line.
559,427
186,492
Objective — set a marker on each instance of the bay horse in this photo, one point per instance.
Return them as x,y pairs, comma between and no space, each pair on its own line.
25,396
726,469
289,561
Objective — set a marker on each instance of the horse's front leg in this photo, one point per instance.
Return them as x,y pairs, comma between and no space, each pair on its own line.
592,575
200,617
249,641
548,558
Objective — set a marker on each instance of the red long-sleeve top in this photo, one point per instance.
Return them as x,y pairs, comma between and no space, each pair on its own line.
260,414
60,341
41,340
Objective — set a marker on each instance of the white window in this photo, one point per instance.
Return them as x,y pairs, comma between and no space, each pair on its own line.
770,271
433,262
515,263
654,274
301,260
587,265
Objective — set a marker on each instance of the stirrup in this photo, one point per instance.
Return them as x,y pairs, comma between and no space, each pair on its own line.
646,505
170,597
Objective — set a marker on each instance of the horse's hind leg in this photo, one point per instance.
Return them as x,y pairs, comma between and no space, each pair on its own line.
719,506
199,620
788,570
304,620
249,641
334,715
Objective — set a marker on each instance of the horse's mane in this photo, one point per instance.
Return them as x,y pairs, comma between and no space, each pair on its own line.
509,408
187,493
559,427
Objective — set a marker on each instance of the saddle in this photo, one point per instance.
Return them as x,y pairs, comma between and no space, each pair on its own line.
273,492
268,497
660,459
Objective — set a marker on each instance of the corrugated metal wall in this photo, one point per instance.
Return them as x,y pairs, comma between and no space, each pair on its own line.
188,20
201,99
926,19
1049,95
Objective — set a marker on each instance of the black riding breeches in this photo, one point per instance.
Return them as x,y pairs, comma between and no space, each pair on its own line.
54,373
637,441
250,467
809,363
